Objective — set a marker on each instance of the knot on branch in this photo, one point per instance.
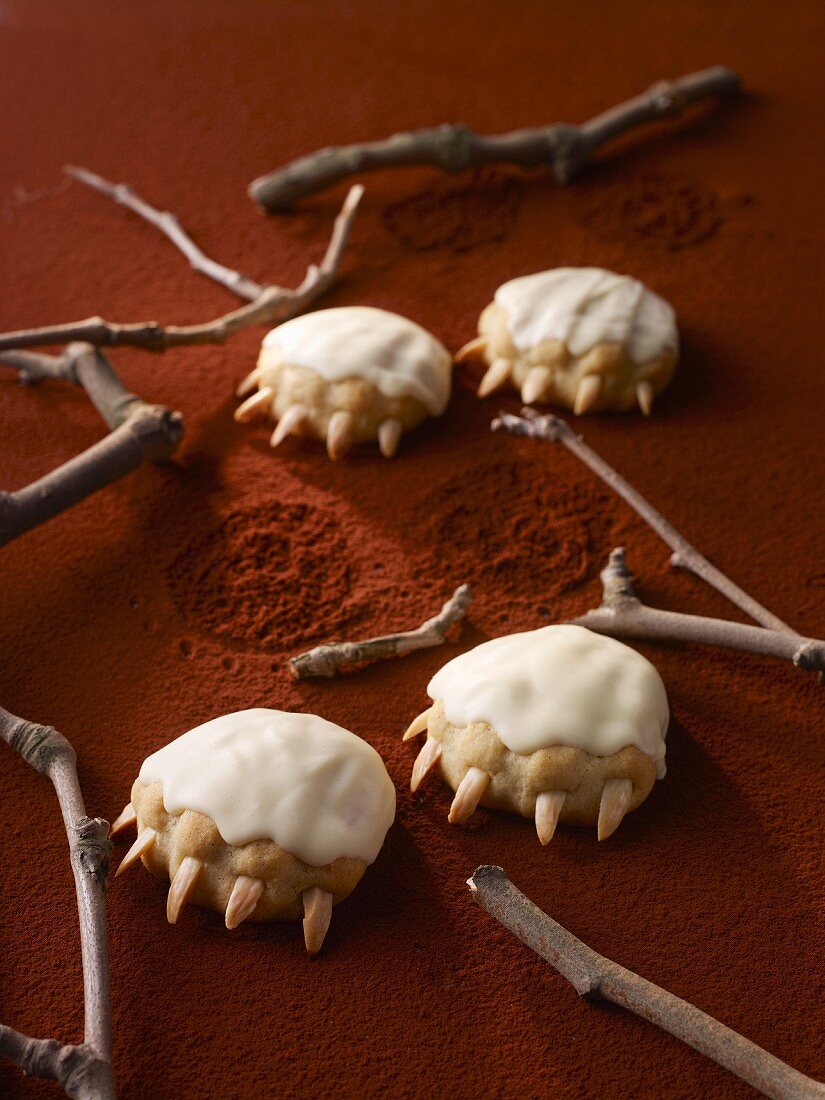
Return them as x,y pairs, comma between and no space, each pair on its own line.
158,430
43,1057
531,424
277,302
82,1072
350,157
666,98
154,335
124,194
149,335
452,147
98,331
568,151
93,847
546,426
810,656
617,580
39,745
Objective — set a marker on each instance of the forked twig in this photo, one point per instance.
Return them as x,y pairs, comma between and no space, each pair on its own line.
594,976
328,660
139,432
84,1070
684,556
562,148
265,304
623,615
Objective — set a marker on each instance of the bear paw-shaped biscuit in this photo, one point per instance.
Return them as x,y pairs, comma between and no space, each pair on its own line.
261,815
581,337
348,375
556,724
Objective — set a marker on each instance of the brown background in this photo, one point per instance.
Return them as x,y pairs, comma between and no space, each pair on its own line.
177,594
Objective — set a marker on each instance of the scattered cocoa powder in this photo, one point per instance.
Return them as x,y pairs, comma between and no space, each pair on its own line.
270,577
714,887
457,217
660,210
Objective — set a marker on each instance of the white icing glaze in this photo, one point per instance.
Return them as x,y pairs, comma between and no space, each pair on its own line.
586,306
314,788
397,356
560,685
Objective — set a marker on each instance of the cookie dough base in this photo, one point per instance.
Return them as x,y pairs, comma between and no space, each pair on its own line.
194,834
369,408
516,781
610,362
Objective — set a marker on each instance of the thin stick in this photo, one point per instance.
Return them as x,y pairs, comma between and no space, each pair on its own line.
273,305
169,225
83,1070
684,556
562,148
329,660
623,615
140,433
594,976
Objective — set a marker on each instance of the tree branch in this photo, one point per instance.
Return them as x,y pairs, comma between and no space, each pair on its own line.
328,660
169,225
561,147
83,1070
684,556
623,615
140,433
592,975
272,304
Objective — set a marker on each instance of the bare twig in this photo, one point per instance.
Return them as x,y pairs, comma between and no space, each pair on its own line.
169,225
594,976
271,305
328,660
623,615
140,433
684,556
560,147
84,1070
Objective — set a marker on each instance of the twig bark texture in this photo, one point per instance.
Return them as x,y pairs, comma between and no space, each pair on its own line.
594,976
139,432
329,660
265,304
684,556
623,615
562,148
84,1070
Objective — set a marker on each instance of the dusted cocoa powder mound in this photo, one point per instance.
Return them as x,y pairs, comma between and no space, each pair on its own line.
271,576
458,217
661,211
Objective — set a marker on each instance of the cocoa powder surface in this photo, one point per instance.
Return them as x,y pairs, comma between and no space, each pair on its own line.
178,594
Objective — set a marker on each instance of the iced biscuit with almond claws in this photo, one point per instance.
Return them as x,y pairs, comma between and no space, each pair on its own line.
581,337
261,815
346,376
557,724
